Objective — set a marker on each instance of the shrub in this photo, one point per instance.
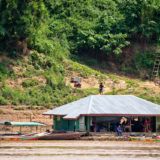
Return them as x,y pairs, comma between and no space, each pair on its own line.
34,56
26,74
29,83
55,81
4,65
15,102
37,66
50,62
3,101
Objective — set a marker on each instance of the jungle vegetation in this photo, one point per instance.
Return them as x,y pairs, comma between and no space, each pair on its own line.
54,30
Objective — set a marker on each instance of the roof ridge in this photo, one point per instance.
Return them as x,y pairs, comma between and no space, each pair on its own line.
90,103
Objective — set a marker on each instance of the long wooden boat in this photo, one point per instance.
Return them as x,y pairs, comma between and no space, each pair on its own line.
62,136
22,137
146,139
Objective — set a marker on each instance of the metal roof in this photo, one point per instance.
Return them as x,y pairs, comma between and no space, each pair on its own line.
107,105
24,124
4,121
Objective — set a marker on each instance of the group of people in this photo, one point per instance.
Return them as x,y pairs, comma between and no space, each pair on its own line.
124,124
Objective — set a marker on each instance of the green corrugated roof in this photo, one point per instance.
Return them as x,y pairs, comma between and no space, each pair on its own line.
25,124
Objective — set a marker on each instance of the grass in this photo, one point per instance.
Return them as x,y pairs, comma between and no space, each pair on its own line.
83,70
55,92
131,83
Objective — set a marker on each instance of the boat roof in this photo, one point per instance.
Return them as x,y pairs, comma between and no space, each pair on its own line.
107,105
24,123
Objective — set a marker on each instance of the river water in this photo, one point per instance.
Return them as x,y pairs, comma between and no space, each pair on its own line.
79,150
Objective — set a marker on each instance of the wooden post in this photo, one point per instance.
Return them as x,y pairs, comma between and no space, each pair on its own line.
77,125
95,129
30,118
109,126
31,129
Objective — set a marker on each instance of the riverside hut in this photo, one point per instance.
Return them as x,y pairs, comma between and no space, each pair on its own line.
103,112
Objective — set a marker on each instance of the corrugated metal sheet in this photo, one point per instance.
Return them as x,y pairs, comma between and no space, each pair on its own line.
4,121
107,105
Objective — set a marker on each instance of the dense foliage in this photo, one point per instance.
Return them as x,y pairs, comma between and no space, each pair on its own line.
79,28
141,19
90,26
20,19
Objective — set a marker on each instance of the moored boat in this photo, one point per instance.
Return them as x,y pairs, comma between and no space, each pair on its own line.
62,136
146,139
21,137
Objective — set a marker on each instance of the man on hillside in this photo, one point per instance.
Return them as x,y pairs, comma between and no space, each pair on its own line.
101,88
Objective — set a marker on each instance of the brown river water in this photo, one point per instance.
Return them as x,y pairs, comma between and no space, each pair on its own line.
79,150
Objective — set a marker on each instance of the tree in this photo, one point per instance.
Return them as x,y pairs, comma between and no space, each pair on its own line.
141,19
19,19
89,25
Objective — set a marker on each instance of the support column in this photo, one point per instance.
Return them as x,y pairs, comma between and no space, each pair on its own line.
77,125
157,124
88,124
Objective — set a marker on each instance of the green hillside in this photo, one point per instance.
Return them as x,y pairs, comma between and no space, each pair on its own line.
45,43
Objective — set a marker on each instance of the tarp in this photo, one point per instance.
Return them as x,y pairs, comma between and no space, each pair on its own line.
24,124
107,105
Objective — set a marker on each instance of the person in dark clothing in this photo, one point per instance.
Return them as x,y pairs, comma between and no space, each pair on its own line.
101,88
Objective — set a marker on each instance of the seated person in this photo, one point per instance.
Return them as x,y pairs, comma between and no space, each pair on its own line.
119,130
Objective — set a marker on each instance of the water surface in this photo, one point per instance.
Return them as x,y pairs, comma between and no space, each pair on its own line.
79,150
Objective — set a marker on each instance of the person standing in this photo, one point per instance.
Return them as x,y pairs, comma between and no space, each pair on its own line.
147,125
101,88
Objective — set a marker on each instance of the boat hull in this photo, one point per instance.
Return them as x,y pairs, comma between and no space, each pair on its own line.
22,137
61,136
142,139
